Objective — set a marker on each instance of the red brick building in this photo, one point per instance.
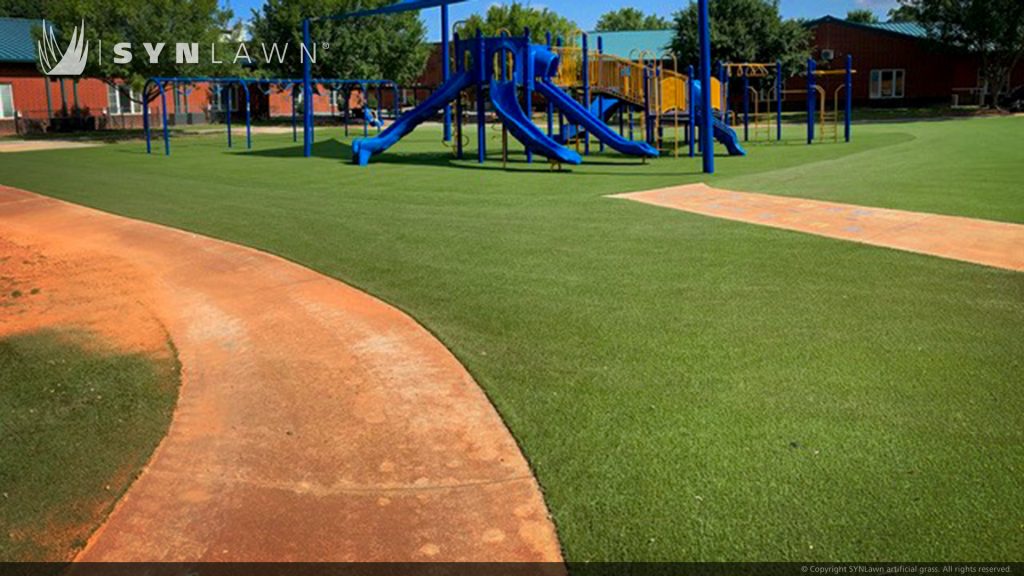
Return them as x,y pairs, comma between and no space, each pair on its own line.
898,65
33,102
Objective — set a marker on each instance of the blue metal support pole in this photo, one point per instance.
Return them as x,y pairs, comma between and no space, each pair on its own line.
145,111
348,109
459,65
561,116
704,30
295,123
600,98
811,108
163,114
227,113
586,92
481,119
366,104
746,105
778,100
307,92
849,97
550,105
528,85
395,97
691,119
445,70
248,116
380,107
723,77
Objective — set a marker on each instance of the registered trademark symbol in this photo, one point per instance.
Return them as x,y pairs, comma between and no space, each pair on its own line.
325,45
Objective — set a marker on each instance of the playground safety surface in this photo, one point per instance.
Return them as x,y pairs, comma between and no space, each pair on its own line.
996,244
315,423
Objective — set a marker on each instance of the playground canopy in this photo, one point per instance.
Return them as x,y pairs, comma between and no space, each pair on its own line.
400,6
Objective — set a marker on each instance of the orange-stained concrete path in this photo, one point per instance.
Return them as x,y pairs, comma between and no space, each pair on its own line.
315,423
996,244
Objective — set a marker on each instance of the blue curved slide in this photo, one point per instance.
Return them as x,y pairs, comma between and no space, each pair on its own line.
603,107
506,104
721,131
365,148
577,114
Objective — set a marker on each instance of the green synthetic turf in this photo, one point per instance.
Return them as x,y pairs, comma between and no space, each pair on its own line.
76,425
686,388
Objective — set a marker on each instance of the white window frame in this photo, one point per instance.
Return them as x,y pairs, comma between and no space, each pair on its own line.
14,109
134,108
899,83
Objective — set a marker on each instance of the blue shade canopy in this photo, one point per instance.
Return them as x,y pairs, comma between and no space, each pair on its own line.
400,6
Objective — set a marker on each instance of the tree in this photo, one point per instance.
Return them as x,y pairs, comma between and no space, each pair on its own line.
631,19
32,9
154,21
516,16
385,47
993,29
902,14
861,16
744,31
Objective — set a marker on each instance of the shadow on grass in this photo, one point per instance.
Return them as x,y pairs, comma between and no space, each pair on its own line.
337,150
333,149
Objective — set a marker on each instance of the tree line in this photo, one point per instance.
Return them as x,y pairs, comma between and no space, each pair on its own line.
395,46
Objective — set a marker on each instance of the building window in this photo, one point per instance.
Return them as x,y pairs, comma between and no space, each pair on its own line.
121,100
887,83
6,101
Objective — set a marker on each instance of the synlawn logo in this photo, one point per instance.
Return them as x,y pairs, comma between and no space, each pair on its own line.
72,61
68,62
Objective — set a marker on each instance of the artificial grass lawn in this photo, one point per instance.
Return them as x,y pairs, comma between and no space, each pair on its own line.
76,424
686,388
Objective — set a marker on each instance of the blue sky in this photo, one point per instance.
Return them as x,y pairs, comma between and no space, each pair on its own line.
586,12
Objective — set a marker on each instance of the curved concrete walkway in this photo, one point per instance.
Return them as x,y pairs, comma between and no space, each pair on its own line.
315,423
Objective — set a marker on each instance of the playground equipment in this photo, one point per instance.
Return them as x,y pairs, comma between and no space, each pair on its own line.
266,86
161,84
640,86
760,97
511,69
822,122
500,67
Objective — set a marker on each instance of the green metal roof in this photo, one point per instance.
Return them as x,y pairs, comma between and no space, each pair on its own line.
16,41
628,44
906,28
912,29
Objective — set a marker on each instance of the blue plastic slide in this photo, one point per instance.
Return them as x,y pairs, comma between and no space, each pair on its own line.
506,104
364,148
726,135
577,114
371,118
721,131
603,107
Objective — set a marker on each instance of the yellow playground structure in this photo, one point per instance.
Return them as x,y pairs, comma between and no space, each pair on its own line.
660,95
657,96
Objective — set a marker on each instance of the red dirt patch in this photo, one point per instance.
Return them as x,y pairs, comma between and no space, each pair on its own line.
43,288
997,244
315,423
